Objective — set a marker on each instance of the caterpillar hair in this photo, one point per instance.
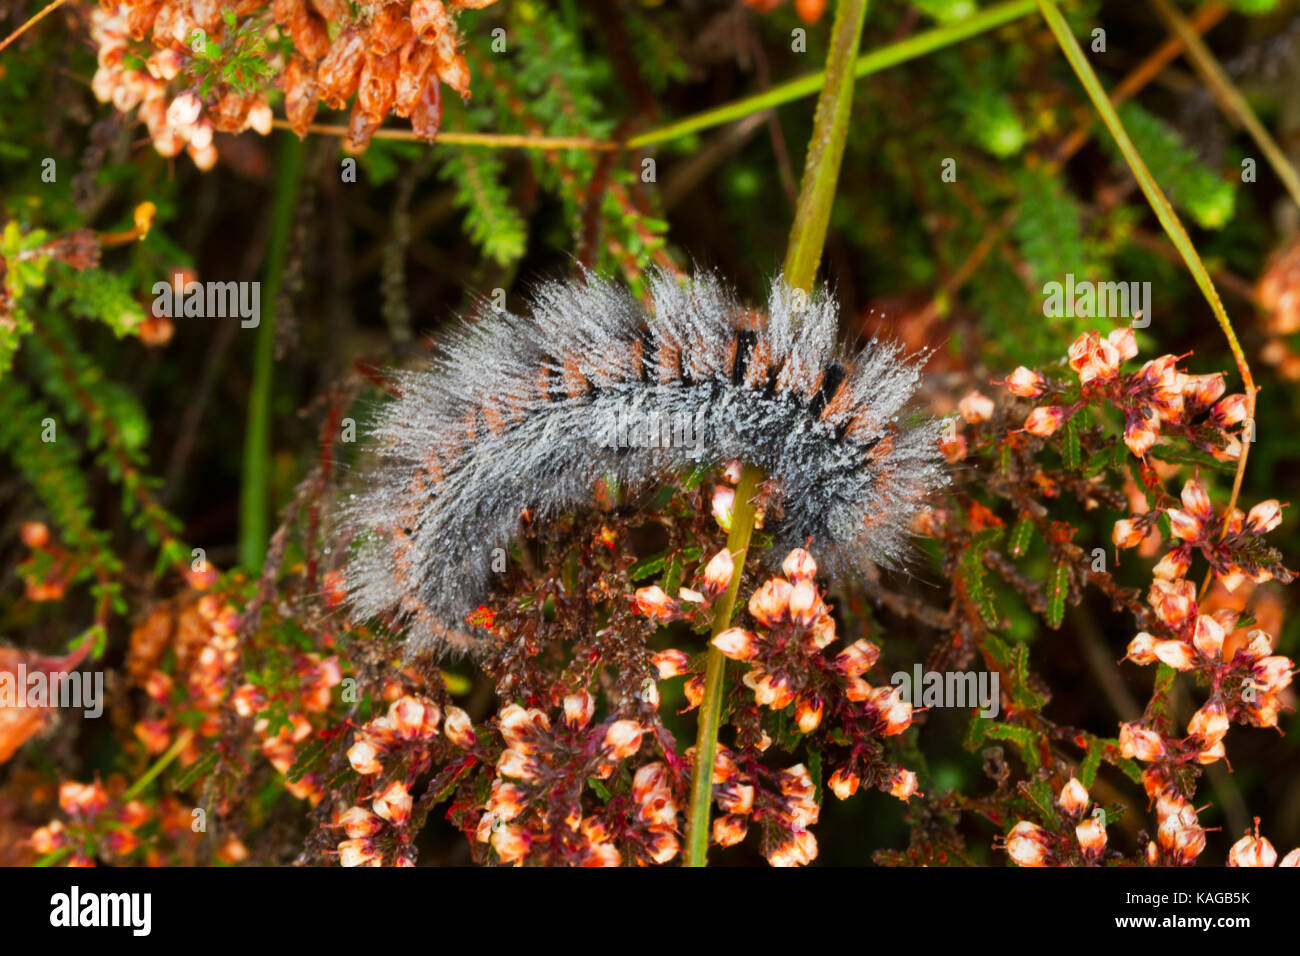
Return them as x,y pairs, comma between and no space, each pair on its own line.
526,413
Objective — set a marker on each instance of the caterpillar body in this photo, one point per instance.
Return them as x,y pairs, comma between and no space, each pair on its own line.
526,413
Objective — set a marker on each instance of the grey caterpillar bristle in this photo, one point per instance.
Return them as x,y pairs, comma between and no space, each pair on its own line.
522,413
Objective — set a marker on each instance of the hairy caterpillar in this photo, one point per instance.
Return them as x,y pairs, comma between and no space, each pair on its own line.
523,412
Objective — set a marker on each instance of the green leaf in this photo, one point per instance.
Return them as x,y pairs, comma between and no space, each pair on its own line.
307,758
1091,762
972,572
1044,801
1021,536
1014,661
1026,740
200,768
1058,589
1071,451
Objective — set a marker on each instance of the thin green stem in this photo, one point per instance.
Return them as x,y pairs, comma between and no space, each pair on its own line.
159,765
255,491
706,738
821,169
1160,206
807,237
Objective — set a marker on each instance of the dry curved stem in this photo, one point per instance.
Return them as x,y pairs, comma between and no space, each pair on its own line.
44,12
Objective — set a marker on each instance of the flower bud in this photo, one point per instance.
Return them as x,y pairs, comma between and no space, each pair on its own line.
513,763
858,658
718,572
458,727
394,803
1230,410
737,644
843,783
671,663
808,713
362,755
1027,844
1174,564
730,829
1273,673
1208,636
1184,524
1264,517
805,606
1127,533
1138,438
1176,654
1025,383
724,506
799,566
511,843
1252,851
1091,836
184,111
1124,342
1141,650
1137,741
407,716
1210,723
653,602
903,785
1074,798
1044,421
578,709
1197,501
357,853
623,738
975,408
770,604
358,822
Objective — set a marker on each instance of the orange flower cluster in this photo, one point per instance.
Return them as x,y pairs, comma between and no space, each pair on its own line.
104,823
1029,844
1160,397
392,57
176,119
1180,838
205,640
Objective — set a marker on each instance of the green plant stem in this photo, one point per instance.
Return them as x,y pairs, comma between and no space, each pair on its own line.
1229,97
1160,205
254,497
807,237
821,170
159,765
706,738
